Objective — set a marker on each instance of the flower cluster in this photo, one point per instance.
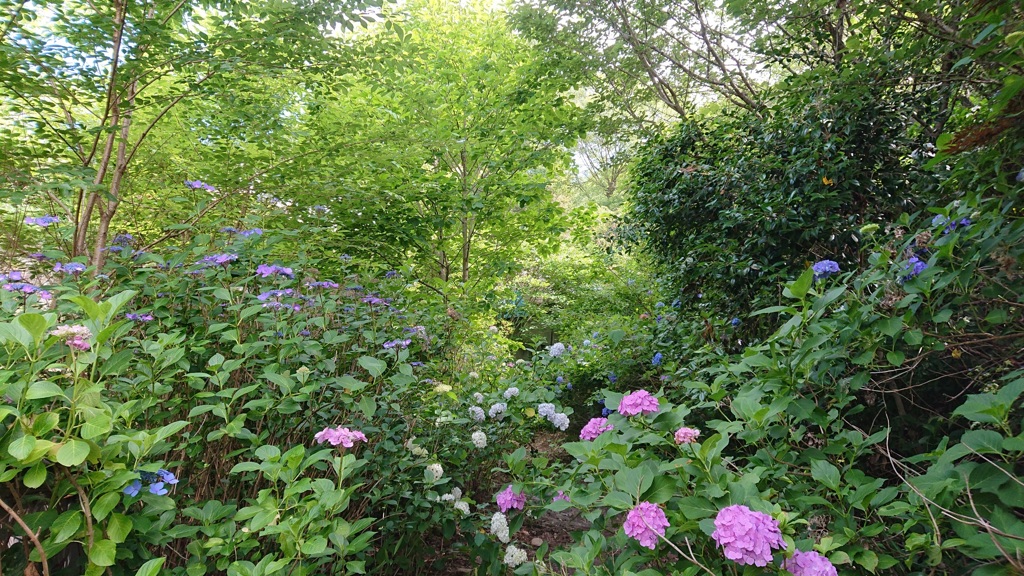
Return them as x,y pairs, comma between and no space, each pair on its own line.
479,439
477,413
436,471
499,527
322,284
268,270
556,350
199,185
339,435
497,410
824,268
397,343
26,289
75,336
558,420
747,537
639,402
69,268
218,259
510,393
809,564
561,496
139,317
157,482
595,428
514,556
913,268
509,499
42,221
645,522
686,435
656,361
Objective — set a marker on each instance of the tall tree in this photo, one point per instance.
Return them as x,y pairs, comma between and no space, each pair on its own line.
90,81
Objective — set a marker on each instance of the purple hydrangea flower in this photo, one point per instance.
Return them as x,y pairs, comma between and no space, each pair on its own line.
508,499
397,343
69,268
595,428
645,523
639,402
218,259
268,270
139,317
809,564
747,537
250,233
42,221
199,185
323,284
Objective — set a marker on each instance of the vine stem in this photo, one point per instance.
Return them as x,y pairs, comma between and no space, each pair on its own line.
32,535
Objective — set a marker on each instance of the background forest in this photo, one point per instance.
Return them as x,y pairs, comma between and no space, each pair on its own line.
666,287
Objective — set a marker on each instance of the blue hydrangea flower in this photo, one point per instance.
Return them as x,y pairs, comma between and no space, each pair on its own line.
824,269
157,488
612,377
913,268
657,359
42,221
249,233
123,239
133,488
735,321
69,268
199,185
605,412
166,476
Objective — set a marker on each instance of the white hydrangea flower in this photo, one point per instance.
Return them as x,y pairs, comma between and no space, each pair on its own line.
447,498
556,350
479,439
419,452
474,375
514,556
436,471
546,409
462,507
560,421
586,343
477,413
499,527
492,329
497,410
442,388
511,392
456,493
478,397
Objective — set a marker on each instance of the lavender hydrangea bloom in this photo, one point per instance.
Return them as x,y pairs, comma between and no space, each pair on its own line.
913,268
508,499
645,523
477,413
595,428
133,488
323,284
69,268
199,185
824,268
268,270
218,259
639,402
809,564
556,350
42,221
139,318
747,537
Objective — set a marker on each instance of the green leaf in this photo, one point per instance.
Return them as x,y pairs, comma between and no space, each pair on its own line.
662,490
372,365
823,471
66,525
616,336
798,288
36,475
22,447
35,324
43,389
367,406
73,452
152,567
119,527
103,553
96,425
895,357
104,504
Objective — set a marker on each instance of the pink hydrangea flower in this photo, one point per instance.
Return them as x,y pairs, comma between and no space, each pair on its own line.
561,496
686,435
646,522
595,428
509,499
747,537
809,564
339,435
639,402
